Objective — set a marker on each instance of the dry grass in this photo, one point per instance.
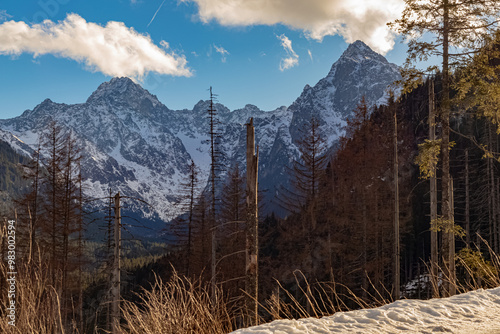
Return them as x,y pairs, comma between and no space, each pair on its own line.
183,306
473,271
178,306
37,302
316,300
324,298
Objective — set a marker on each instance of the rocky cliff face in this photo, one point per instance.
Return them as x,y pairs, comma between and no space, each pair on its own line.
359,72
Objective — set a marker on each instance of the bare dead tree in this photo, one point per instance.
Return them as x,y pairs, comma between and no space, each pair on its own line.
252,229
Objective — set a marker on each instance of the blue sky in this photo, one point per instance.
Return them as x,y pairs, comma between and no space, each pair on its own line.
261,52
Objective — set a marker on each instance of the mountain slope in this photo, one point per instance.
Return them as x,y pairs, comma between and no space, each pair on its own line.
125,148
359,72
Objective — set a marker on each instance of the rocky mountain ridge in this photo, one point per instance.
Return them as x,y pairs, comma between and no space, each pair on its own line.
136,145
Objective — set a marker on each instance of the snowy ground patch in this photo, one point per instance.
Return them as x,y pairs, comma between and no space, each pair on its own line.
474,312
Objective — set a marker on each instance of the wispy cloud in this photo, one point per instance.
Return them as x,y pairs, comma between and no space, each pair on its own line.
223,52
114,49
4,16
292,59
353,19
310,55
152,19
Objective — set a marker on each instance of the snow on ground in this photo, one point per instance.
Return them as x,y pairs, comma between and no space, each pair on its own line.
476,312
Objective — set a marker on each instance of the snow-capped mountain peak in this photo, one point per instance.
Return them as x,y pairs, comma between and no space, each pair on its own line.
359,51
126,93
359,72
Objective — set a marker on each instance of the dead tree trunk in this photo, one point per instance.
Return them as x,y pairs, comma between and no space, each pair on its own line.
489,172
433,198
451,238
109,256
445,155
364,294
115,289
252,232
34,215
397,264
493,199
80,248
212,112
467,199
193,180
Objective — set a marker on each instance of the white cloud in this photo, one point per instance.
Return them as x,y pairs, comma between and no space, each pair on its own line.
114,49
310,55
292,59
287,63
353,19
286,43
4,16
223,52
165,45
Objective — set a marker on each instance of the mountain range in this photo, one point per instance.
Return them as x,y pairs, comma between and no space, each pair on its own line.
134,144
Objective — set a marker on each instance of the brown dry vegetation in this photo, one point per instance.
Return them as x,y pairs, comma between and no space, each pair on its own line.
180,305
